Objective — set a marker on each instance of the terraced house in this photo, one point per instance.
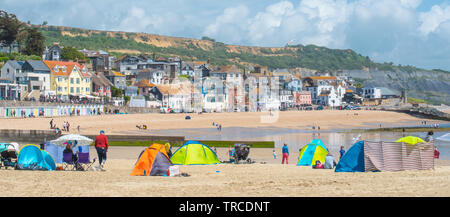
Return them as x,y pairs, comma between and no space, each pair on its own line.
69,79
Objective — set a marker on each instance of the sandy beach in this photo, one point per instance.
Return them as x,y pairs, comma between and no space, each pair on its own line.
126,124
254,180
266,177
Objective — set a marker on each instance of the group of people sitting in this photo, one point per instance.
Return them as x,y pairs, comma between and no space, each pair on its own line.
68,150
101,145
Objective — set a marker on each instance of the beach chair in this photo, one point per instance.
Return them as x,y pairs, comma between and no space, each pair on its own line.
68,162
84,161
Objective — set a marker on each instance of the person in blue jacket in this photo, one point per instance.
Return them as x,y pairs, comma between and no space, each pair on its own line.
285,151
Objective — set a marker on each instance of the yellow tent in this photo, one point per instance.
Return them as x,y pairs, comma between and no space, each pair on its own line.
412,140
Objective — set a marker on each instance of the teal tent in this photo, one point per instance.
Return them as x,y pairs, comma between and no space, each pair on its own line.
353,159
32,158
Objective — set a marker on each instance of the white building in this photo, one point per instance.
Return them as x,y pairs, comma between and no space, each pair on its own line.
175,97
329,98
371,92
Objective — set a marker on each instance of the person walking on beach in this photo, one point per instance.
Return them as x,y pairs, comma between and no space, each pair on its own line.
65,126
68,126
51,124
285,151
101,145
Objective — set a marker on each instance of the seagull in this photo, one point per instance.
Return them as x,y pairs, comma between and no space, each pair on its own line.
356,138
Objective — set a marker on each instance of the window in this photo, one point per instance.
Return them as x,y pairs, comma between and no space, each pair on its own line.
60,79
78,80
78,90
87,80
87,89
71,90
59,89
71,80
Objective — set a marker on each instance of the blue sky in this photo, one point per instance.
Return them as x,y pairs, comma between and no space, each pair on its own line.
407,32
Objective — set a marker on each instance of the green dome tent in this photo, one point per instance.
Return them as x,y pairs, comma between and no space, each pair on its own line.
194,153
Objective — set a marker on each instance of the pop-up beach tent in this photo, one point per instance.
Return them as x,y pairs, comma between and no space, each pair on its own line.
153,161
353,159
194,153
32,158
314,151
366,156
57,152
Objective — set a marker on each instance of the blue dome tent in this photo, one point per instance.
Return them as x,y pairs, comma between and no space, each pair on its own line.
353,159
32,158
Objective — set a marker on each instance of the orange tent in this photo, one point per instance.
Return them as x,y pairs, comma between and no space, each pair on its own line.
153,161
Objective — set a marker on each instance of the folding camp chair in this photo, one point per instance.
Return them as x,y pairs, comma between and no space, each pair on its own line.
68,162
84,161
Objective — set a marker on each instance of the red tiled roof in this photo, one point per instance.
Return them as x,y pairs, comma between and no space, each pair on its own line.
144,83
323,77
57,68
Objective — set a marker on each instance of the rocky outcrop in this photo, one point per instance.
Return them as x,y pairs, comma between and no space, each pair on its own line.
433,86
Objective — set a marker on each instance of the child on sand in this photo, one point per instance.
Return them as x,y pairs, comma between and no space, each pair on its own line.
274,154
341,152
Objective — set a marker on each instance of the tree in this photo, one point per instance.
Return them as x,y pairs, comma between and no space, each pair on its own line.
34,42
208,39
116,92
9,28
71,53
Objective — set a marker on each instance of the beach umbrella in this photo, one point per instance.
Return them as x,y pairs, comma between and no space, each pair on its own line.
74,139
410,140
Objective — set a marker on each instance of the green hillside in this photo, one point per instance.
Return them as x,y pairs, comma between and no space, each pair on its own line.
310,56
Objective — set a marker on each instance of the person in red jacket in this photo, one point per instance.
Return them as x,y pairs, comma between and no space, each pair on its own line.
101,145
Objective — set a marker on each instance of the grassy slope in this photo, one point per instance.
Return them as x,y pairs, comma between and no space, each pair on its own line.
310,56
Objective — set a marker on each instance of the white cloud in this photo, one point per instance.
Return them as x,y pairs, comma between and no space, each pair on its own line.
386,30
230,25
433,19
